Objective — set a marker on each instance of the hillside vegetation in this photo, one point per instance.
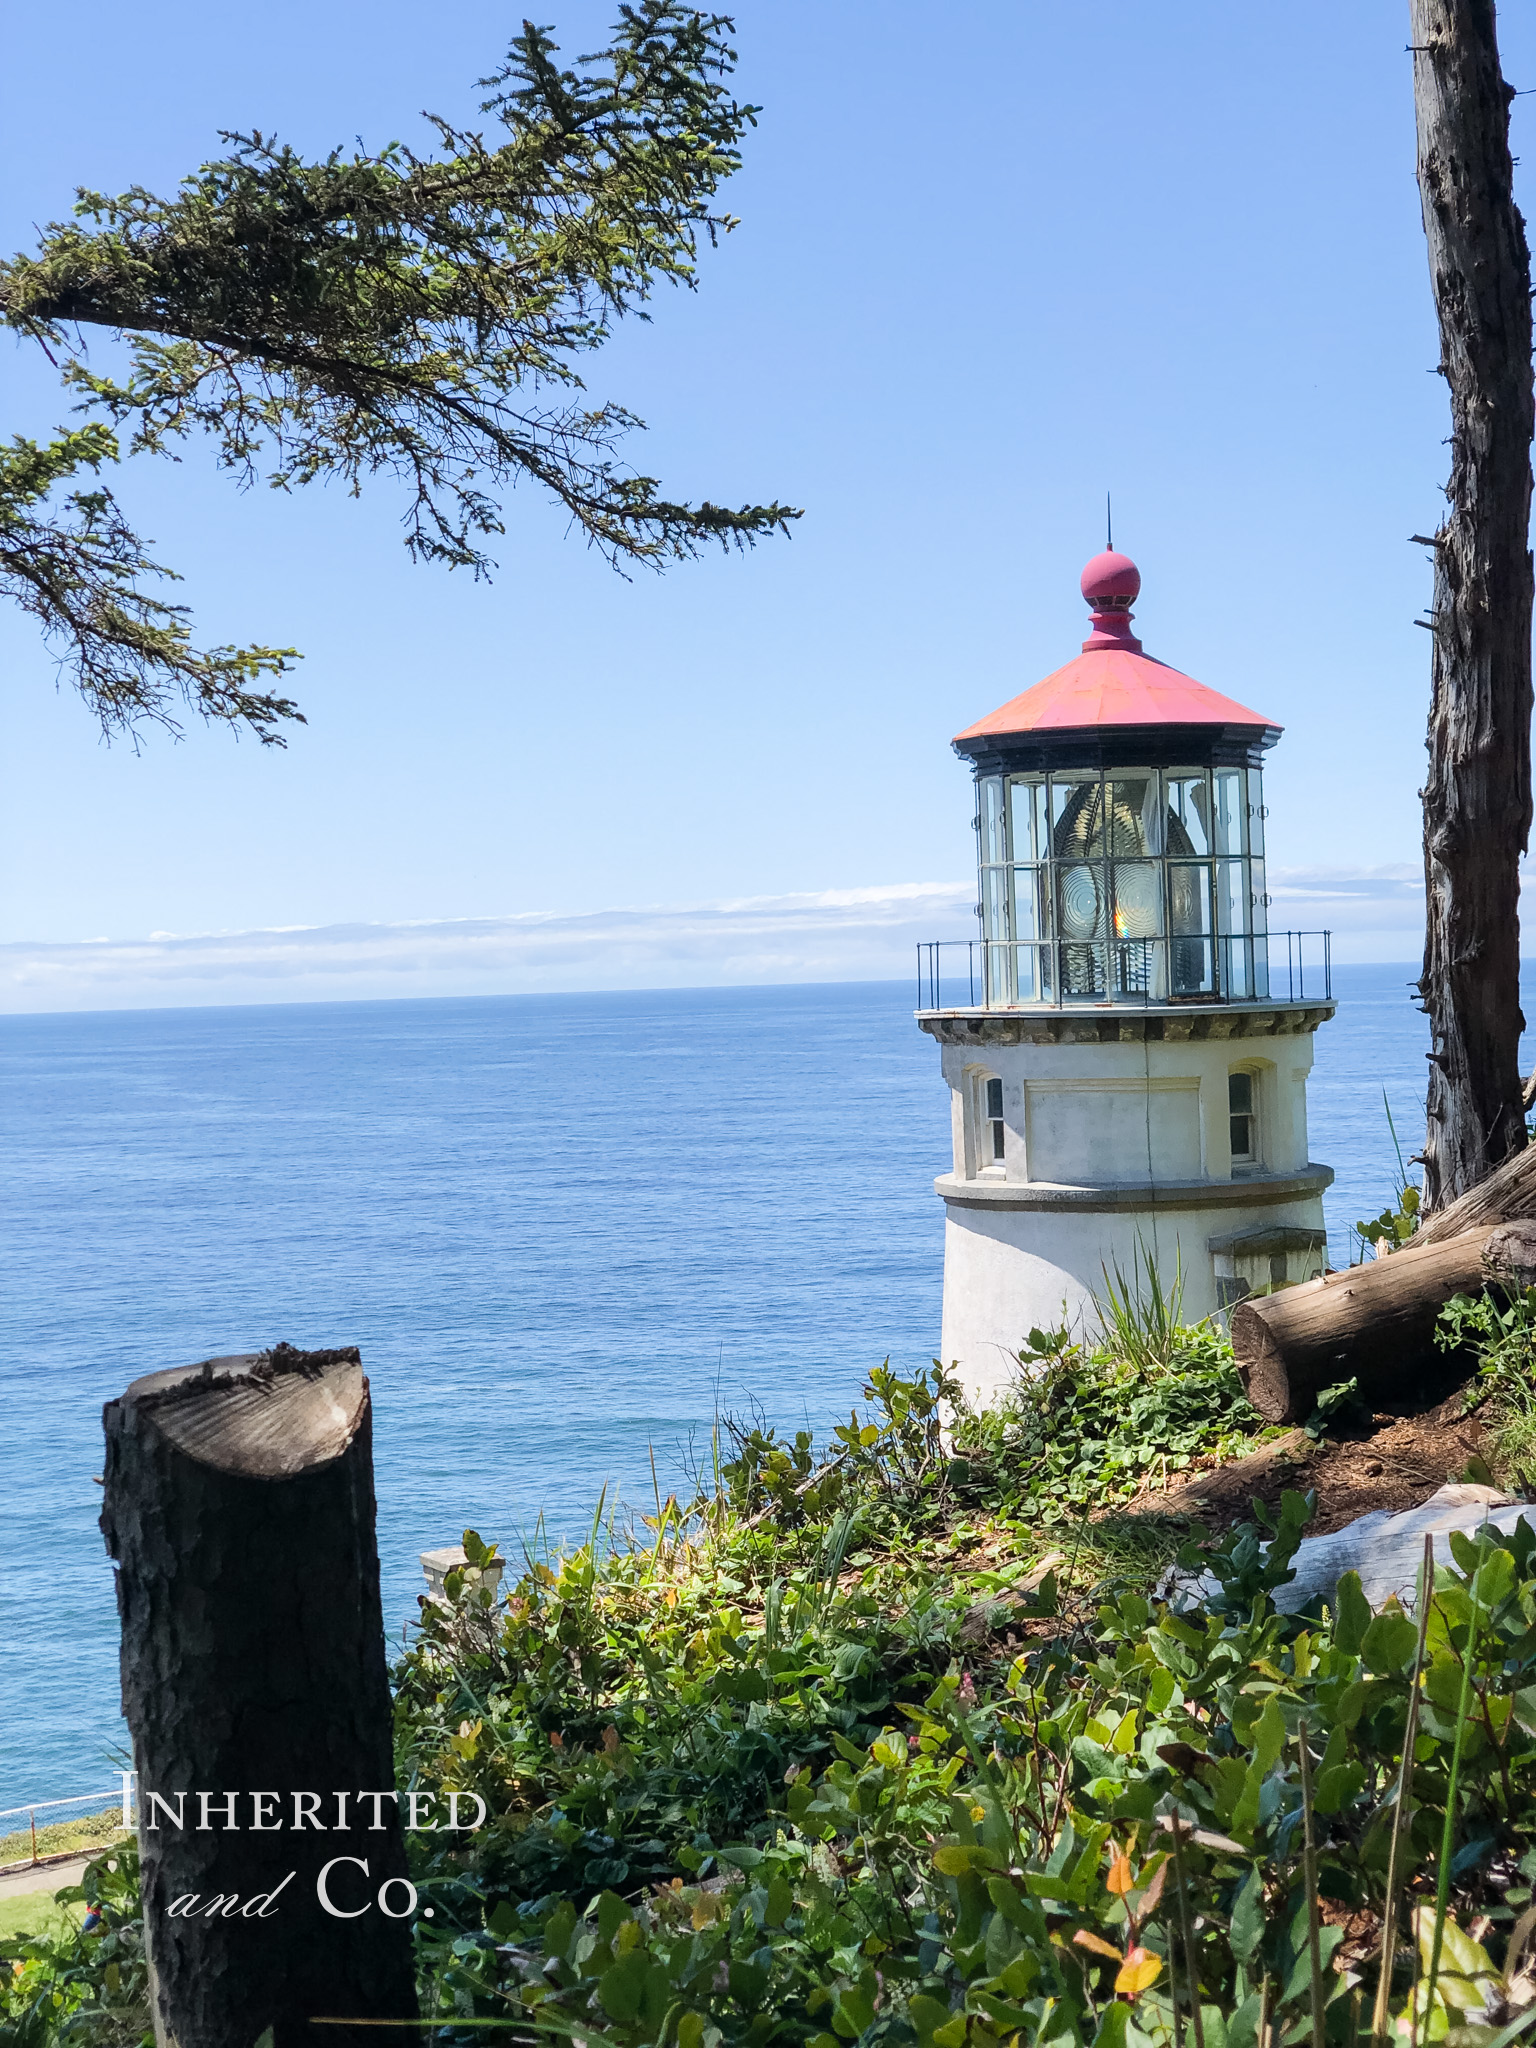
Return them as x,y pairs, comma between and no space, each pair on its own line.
898,1739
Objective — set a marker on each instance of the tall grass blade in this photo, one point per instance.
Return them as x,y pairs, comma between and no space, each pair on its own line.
773,1611
1186,1933
1309,1869
1402,1171
837,1550
1380,2013
1142,1321
1448,1834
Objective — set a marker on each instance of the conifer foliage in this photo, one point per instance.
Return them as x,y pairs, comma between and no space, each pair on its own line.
420,317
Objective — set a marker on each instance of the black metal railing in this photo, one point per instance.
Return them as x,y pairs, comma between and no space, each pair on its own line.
1237,967
931,974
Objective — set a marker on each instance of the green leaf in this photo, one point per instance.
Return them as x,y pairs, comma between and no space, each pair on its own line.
1111,2032
1268,1739
1495,1579
1248,1924
611,1915
1301,1971
620,1989
854,2011
1389,1644
559,1928
954,1859
749,1981
1337,1786
1353,1614
927,2016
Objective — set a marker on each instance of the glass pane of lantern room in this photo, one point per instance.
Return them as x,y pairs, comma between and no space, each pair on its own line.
1191,961
1082,923
1026,817
996,904
1133,815
1228,786
994,830
1136,957
1027,890
1077,815
1255,811
999,976
1189,811
1026,904
1236,951
1138,899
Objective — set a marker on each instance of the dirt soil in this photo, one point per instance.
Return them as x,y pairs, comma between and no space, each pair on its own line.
1391,1461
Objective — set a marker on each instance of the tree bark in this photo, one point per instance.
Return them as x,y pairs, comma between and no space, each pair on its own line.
1508,1193
1477,796
1373,1323
239,1507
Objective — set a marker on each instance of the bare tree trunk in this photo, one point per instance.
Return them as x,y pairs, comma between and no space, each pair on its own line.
239,1507
1477,797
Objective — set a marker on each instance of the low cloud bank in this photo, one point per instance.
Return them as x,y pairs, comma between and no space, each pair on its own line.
832,935
829,935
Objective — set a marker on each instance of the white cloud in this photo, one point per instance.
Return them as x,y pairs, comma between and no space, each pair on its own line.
827,935
1373,913
831,935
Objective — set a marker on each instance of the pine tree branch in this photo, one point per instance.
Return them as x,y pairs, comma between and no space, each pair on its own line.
79,571
397,315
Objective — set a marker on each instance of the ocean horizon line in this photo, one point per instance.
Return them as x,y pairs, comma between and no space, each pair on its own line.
853,934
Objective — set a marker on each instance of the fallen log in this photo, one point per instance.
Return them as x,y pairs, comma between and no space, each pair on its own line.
239,1508
1503,1196
1373,1323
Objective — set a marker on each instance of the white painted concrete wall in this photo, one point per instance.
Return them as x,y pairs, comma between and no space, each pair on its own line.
1009,1270
1080,1114
1099,1123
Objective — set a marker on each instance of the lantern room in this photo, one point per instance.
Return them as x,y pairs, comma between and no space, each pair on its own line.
1127,1041
1120,827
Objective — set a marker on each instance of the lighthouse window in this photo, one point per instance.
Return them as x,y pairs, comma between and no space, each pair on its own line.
1189,803
1229,810
1031,834
995,1126
1256,811
994,833
1244,1119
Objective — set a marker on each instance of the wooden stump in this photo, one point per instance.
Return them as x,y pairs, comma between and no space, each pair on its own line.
239,1507
1374,1323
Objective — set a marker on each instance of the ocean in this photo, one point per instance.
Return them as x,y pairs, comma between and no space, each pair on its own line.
565,1231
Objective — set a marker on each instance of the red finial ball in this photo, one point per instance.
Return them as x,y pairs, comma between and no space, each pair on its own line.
1111,582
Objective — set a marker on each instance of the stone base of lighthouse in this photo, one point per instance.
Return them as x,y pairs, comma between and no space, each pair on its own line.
1117,1136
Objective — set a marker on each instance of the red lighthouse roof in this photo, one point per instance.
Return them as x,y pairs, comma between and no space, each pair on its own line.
1112,682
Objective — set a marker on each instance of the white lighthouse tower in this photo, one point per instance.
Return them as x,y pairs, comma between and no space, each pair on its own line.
1127,1044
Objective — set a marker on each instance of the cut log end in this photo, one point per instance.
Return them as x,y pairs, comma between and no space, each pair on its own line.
261,1415
1261,1363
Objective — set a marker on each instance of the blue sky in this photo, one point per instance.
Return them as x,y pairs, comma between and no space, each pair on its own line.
994,260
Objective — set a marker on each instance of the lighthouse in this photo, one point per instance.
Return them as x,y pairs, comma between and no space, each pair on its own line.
1126,1042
